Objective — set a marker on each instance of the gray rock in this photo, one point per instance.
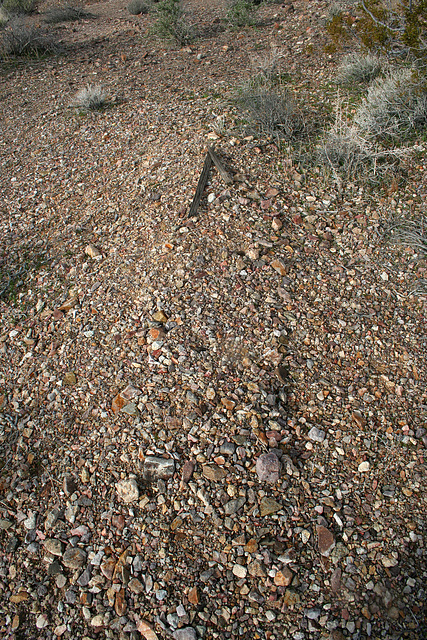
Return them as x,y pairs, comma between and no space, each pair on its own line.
187,633
155,468
268,467
74,558
51,519
234,505
54,546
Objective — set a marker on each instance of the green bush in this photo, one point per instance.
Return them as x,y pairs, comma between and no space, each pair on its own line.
172,23
241,14
18,7
138,7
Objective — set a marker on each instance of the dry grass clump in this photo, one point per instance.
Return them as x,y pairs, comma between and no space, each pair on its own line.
138,7
91,98
359,68
395,106
267,64
270,106
19,39
241,13
68,13
410,233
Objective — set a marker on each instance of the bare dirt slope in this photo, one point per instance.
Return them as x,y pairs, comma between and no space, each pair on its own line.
210,427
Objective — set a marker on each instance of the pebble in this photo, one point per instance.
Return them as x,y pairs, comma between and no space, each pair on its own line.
186,633
155,468
364,467
127,490
316,435
269,506
74,558
268,468
54,546
214,473
284,577
240,571
42,621
326,540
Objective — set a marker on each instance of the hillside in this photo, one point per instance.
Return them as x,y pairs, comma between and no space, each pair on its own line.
210,426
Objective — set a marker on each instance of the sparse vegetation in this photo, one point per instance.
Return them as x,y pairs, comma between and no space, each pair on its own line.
18,7
21,39
241,14
409,233
91,98
359,68
67,13
270,107
172,23
138,7
395,106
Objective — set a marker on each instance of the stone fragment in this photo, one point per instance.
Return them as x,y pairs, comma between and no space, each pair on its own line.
92,251
193,596
51,519
240,571
268,468
69,485
336,580
269,506
284,577
160,316
54,546
127,490
145,629
186,633
30,522
291,598
277,224
158,468
214,473
278,266
5,524
70,378
136,586
118,403
316,435
187,470
234,505
120,603
19,597
326,540
74,558
256,569
97,621
363,467
42,621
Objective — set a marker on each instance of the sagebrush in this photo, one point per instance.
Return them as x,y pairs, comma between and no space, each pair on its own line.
138,7
67,13
19,39
91,98
173,24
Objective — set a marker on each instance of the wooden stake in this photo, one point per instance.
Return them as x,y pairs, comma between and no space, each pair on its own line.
200,186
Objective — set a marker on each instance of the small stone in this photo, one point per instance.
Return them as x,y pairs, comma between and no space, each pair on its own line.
118,403
120,603
60,630
187,633
363,467
234,505
316,435
269,506
158,468
71,302
252,253
107,567
19,597
187,470
326,540
228,404
283,578
127,490
74,558
54,546
145,629
131,409
5,524
92,251
336,580
97,621
42,621
277,224
160,316
256,570
69,485
214,473
30,522
70,378
193,596
60,580
240,571
291,598
278,266
52,518
268,468
305,536
16,622
136,586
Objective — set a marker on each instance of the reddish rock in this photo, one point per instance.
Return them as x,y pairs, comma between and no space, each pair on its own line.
268,468
326,540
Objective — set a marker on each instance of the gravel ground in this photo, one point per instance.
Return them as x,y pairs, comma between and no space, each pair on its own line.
210,427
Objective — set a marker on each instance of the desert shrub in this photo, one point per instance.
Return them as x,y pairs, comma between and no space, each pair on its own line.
67,13
172,23
21,39
395,28
359,69
137,7
271,107
241,14
267,65
18,7
394,107
409,233
91,98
